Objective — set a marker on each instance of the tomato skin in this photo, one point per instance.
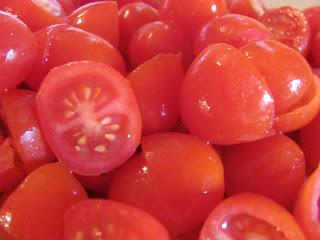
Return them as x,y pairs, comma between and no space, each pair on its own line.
112,220
315,50
18,51
287,73
20,114
34,204
104,128
99,18
131,17
255,206
154,3
241,31
158,37
150,181
249,8
67,5
224,99
202,12
289,26
257,167
162,76
36,14
313,16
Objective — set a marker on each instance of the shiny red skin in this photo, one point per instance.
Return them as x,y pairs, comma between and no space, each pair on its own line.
121,3
233,29
159,37
287,73
257,167
67,5
313,16
36,14
289,26
131,17
99,18
202,12
315,50
112,220
18,51
41,199
162,76
249,8
225,99
150,181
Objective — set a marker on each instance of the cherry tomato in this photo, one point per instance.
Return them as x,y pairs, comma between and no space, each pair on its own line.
257,167
35,13
150,181
131,17
289,26
67,5
158,37
316,71
105,219
315,50
225,99
192,14
99,18
313,16
154,3
250,216
36,208
18,51
249,8
233,29
90,117
162,77
307,207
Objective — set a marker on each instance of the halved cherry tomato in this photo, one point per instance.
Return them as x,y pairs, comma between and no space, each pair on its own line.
105,219
131,17
35,13
156,84
36,208
235,30
225,99
250,216
313,16
20,115
90,117
18,51
99,18
249,8
289,26
192,14
177,178
159,37
257,167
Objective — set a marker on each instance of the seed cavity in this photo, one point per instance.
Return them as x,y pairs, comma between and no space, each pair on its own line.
68,103
82,140
114,127
74,97
97,93
96,232
106,121
110,137
77,148
100,148
69,114
87,92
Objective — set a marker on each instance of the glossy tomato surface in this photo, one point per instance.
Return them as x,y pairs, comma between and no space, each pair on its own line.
90,117
105,219
313,16
225,99
249,8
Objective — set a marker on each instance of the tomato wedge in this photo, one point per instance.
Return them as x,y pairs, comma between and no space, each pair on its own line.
90,117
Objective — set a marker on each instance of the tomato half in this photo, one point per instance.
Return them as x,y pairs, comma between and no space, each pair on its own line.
105,219
250,216
249,8
90,117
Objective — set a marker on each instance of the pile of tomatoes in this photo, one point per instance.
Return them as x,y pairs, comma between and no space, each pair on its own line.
158,120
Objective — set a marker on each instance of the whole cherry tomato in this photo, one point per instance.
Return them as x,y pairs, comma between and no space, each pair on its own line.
313,16
249,8
67,5
315,50
225,99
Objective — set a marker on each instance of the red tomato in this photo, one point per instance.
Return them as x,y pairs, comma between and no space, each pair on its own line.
105,219
250,216
257,167
287,73
36,208
158,37
150,181
35,13
233,29
313,16
289,26
67,5
99,18
315,50
131,17
225,99
156,84
249,8
93,112
154,3
18,51
192,14
307,207
20,114
316,71
11,172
